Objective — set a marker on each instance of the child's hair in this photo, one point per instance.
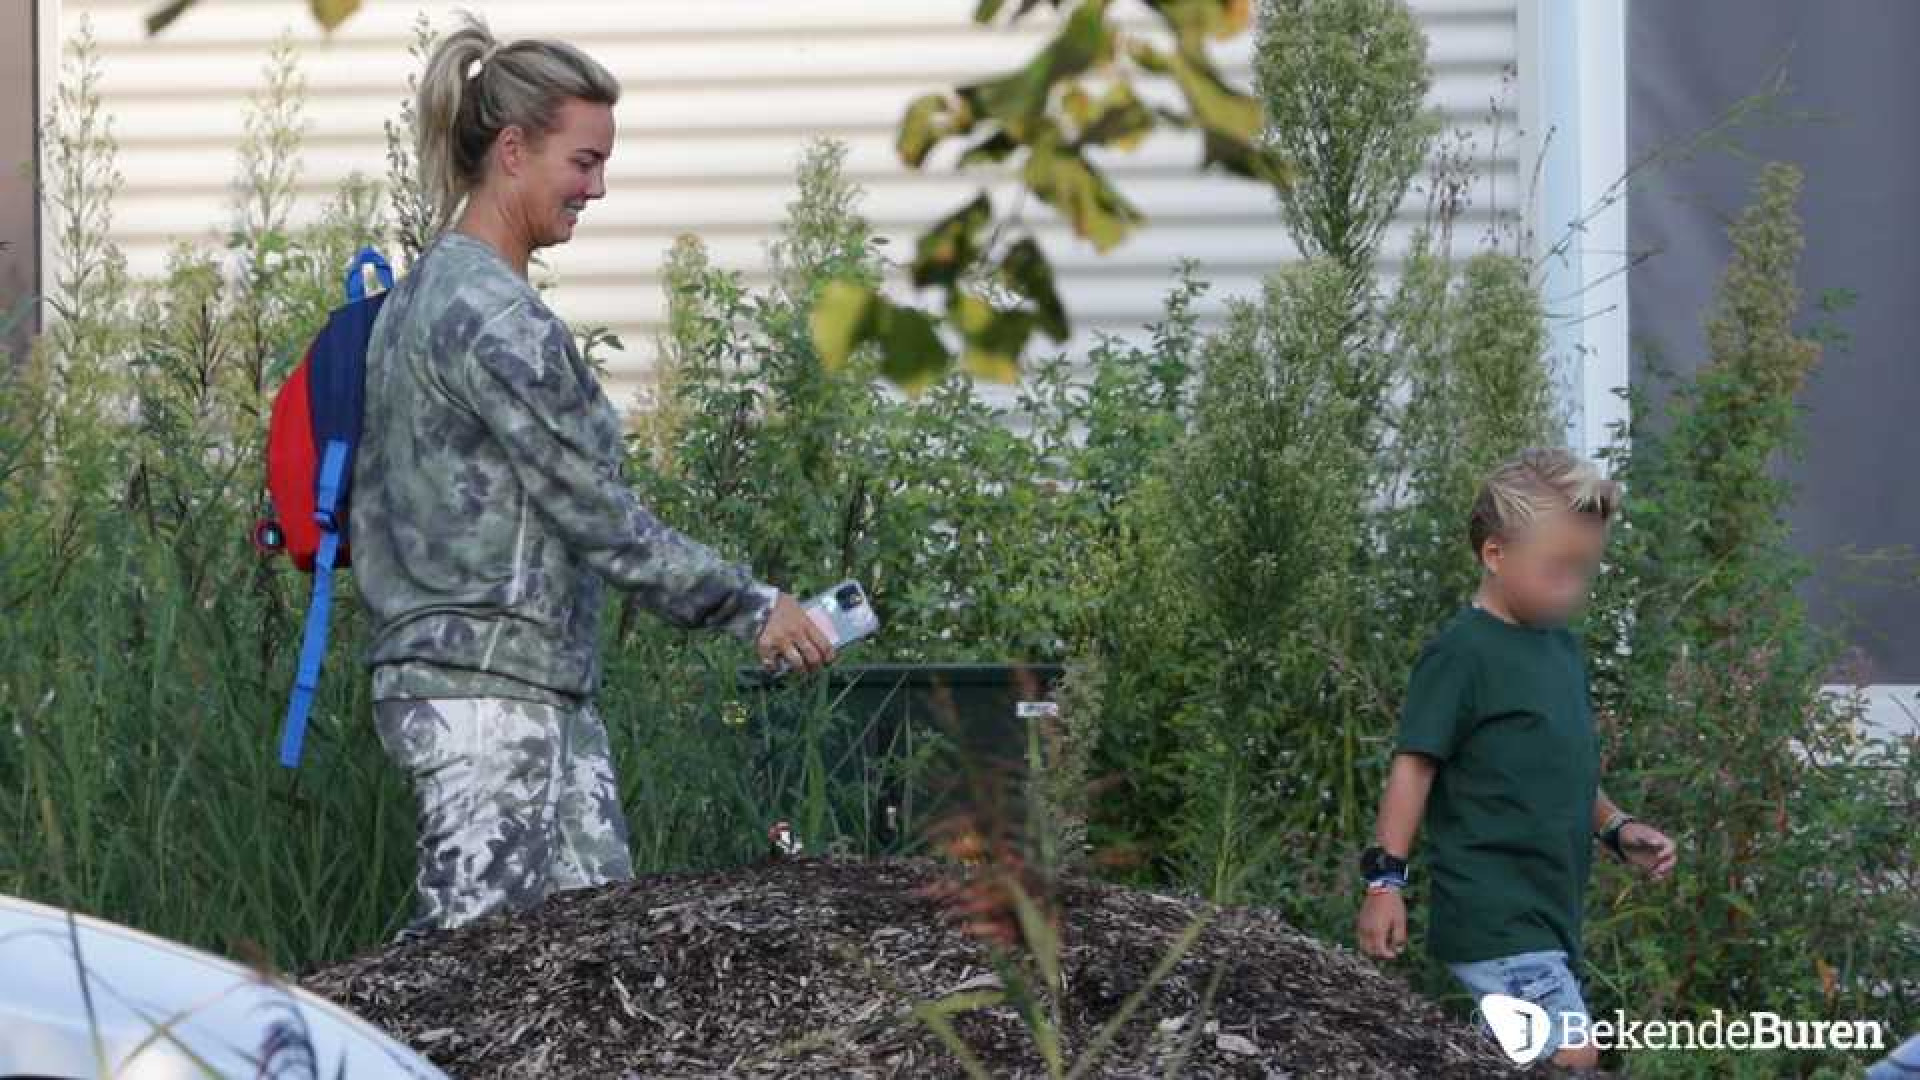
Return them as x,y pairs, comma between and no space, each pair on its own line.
475,87
1538,481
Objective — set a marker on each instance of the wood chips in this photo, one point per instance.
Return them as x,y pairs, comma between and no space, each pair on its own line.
810,968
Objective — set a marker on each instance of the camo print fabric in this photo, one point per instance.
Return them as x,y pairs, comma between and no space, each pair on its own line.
488,509
517,801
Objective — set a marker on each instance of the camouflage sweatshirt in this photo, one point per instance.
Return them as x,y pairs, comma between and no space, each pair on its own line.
488,509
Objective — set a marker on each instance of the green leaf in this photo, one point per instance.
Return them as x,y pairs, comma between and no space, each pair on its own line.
332,13
1119,121
987,9
1018,100
1077,106
994,339
951,246
848,315
929,119
1245,158
1194,21
1215,105
164,17
1152,60
991,150
1026,271
843,319
912,354
1081,193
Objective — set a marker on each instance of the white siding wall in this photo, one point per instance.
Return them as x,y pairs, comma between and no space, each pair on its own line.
719,98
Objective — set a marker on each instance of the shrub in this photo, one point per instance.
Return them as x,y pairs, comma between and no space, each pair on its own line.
148,649
1277,570
960,527
1798,843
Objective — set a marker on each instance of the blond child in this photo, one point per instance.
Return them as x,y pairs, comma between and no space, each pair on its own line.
1497,760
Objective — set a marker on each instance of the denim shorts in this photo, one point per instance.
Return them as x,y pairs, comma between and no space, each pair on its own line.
1540,977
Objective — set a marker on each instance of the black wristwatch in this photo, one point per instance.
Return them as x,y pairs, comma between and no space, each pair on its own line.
1377,865
1609,834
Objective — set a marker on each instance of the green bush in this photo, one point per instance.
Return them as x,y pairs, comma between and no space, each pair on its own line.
1800,854
1274,575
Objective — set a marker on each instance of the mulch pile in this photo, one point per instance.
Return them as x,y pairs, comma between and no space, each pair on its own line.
809,968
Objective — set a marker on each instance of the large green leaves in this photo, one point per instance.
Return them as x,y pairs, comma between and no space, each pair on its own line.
1044,120
847,315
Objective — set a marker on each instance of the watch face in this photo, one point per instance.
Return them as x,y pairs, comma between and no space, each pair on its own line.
1375,861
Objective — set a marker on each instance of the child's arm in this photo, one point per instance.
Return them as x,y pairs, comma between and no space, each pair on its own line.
1382,925
1632,839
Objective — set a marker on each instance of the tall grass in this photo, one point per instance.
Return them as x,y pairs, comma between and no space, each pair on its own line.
148,649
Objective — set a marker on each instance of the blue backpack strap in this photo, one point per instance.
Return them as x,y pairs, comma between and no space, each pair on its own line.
313,643
356,273
337,374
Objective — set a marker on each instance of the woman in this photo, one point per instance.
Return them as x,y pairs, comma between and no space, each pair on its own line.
488,503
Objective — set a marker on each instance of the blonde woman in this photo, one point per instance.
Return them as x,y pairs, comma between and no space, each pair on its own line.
489,509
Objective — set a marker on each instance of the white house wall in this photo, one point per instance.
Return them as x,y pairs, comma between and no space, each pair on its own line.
720,98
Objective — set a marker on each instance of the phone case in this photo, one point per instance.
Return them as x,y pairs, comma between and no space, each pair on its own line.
843,614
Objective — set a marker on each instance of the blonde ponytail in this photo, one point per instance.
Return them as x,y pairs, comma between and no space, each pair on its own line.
460,110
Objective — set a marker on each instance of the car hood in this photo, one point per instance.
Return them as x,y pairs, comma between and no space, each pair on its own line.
81,997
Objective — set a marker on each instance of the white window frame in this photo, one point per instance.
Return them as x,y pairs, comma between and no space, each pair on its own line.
1573,113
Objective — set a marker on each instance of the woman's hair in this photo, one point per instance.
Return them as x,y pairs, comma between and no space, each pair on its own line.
1537,482
461,109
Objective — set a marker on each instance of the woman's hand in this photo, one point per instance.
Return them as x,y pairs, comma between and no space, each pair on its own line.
1647,848
791,637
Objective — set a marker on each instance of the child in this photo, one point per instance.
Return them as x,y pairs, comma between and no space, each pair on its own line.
1497,757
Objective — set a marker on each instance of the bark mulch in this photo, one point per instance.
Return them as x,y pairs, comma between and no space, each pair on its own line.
809,968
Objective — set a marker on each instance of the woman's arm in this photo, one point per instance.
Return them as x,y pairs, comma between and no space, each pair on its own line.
523,381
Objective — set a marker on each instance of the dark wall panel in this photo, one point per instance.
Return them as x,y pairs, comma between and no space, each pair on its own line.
1855,65
19,237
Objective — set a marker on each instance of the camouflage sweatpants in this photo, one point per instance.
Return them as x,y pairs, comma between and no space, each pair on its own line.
517,801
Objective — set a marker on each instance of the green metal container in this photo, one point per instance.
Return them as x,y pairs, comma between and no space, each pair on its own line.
911,732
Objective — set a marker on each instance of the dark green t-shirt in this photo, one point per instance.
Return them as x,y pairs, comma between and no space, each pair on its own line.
1507,834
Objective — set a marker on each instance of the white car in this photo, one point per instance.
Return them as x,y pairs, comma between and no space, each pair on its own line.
83,999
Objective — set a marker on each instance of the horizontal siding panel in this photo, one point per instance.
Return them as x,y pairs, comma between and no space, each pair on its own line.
250,20
355,119
720,98
1171,197
649,161
634,258
900,65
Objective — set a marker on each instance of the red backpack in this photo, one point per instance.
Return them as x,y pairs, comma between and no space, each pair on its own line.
311,441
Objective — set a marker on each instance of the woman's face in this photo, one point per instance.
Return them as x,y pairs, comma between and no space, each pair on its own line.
556,175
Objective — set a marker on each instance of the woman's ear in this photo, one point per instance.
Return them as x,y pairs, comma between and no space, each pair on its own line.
510,150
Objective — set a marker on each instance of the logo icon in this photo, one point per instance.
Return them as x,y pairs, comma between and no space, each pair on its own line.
1518,1025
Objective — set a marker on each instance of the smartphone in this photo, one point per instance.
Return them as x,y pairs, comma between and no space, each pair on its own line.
843,614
